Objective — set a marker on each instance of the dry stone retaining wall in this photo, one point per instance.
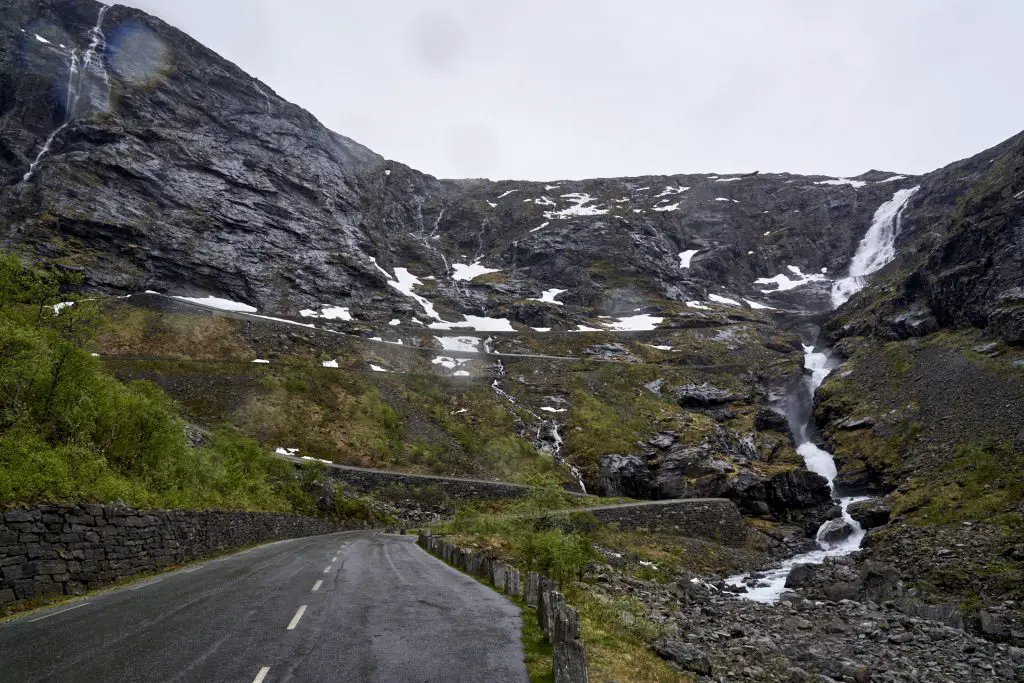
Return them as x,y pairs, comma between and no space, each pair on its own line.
53,550
366,480
559,622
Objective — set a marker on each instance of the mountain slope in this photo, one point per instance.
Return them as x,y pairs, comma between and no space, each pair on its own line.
647,330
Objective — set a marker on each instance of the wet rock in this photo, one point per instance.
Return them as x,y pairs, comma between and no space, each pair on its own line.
684,656
702,396
870,513
799,575
616,352
856,423
624,475
767,419
835,531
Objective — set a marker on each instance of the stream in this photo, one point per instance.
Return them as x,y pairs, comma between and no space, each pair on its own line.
875,251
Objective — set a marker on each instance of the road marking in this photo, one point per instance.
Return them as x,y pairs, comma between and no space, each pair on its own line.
327,569
295,619
261,675
61,611
143,585
189,571
316,586
334,559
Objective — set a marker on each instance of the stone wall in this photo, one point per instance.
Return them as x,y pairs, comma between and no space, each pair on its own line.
366,481
53,550
714,518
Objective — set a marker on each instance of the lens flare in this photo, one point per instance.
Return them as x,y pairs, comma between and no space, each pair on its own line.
137,55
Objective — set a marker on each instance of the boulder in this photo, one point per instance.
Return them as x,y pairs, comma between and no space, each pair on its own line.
683,656
834,531
624,475
611,352
880,581
870,513
799,575
702,396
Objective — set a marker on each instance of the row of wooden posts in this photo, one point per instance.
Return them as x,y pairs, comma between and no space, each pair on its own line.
559,622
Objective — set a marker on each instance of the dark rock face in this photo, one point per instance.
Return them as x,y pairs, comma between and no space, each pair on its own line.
870,513
199,180
624,475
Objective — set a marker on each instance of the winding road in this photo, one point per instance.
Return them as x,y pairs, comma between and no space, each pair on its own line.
357,606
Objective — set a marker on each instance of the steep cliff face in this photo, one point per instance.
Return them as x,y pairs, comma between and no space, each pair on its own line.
134,152
140,157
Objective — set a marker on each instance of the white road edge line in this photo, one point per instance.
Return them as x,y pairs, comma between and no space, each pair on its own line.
62,611
295,620
261,675
316,586
143,585
327,569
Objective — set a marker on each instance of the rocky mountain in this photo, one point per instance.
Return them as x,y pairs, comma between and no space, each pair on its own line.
648,331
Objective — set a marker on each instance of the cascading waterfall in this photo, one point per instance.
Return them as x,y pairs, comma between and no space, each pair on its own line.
874,252
552,426
78,74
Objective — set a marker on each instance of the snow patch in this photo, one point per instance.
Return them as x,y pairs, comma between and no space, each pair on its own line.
218,303
377,368
394,322
506,193
671,190
328,313
42,40
724,300
632,323
541,329
892,179
477,323
579,208
548,296
785,283
685,257
698,305
727,180
726,199
660,347
467,344
542,225
670,207
758,307
260,360
856,184
462,271
330,363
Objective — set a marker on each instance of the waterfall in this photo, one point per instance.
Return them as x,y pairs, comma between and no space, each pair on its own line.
876,250
78,74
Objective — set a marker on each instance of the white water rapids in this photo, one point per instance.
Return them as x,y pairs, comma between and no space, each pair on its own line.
876,250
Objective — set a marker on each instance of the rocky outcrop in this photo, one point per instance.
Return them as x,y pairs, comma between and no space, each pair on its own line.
870,513
624,475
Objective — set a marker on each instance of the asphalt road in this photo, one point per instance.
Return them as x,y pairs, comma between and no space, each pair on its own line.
357,606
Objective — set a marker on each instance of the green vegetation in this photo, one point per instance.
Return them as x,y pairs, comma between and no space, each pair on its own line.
984,482
70,431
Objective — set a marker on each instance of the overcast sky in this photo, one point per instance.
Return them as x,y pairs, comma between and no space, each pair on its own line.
550,89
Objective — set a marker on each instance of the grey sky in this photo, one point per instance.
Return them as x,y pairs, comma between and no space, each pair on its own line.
548,89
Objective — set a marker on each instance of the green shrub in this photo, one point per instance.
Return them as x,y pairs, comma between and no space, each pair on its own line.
69,431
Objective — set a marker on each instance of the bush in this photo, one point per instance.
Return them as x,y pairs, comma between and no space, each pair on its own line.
69,431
